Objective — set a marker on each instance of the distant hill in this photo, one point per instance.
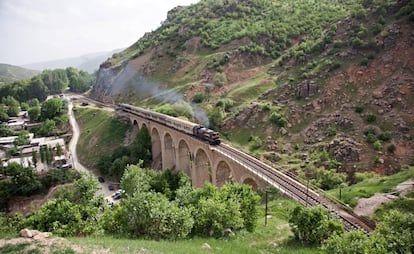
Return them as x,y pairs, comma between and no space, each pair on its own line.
89,62
9,73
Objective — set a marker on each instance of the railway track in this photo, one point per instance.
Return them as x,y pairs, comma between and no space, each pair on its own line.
286,184
293,188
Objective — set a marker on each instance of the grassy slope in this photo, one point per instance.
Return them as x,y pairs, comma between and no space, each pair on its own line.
369,187
276,232
9,73
100,134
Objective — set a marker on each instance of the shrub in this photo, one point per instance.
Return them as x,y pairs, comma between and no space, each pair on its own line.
371,138
364,61
198,98
335,65
359,109
358,42
371,118
313,225
219,79
385,136
377,145
377,28
265,107
257,142
278,119
331,131
225,103
391,148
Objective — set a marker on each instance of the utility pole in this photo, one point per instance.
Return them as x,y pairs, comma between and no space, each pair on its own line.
266,193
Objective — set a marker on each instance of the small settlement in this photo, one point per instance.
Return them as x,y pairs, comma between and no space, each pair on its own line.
40,153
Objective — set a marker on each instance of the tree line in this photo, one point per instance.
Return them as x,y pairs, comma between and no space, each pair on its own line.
48,82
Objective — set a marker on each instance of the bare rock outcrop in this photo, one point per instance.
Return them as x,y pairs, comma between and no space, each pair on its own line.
306,89
344,149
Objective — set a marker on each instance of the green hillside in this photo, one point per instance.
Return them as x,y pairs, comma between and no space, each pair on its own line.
320,85
9,73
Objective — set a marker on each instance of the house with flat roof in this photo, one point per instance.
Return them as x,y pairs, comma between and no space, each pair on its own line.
24,161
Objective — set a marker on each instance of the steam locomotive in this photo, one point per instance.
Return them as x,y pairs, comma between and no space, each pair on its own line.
196,130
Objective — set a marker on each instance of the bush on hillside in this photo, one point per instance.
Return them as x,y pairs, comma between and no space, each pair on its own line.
313,225
278,119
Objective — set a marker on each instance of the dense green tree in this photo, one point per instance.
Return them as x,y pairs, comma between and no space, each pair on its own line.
13,105
24,106
48,128
42,154
75,211
118,166
156,217
216,116
34,113
397,230
149,213
5,194
313,225
354,242
4,117
135,179
79,81
248,200
55,80
38,90
52,108
34,158
5,131
24,181
58,150
22,138
141,148
208,211
49,155
104,164
33,102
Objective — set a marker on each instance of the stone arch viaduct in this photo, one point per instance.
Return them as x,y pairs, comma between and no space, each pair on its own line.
179,151
200,161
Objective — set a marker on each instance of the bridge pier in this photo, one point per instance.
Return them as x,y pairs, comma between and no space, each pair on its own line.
182,152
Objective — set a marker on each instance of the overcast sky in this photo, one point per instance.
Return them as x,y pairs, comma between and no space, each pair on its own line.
39,30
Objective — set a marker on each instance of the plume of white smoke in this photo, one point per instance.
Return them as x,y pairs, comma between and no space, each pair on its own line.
129,78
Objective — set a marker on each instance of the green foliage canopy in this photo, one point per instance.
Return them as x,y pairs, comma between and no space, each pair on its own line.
313,225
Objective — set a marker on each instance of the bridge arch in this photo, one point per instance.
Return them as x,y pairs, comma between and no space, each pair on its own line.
250,181
142,125
156,147
184,158
202,168
224,174
135,123
169,152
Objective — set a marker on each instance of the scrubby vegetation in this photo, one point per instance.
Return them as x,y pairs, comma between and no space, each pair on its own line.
275,24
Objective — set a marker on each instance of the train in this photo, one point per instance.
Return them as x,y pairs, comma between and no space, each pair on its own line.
196,130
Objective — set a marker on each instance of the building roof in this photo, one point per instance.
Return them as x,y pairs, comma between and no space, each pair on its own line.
7,140
24,161
53,142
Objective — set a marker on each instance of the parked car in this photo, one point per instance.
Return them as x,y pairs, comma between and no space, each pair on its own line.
118,194
101,179
110,187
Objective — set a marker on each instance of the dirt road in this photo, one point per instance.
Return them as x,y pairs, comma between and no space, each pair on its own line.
72,149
